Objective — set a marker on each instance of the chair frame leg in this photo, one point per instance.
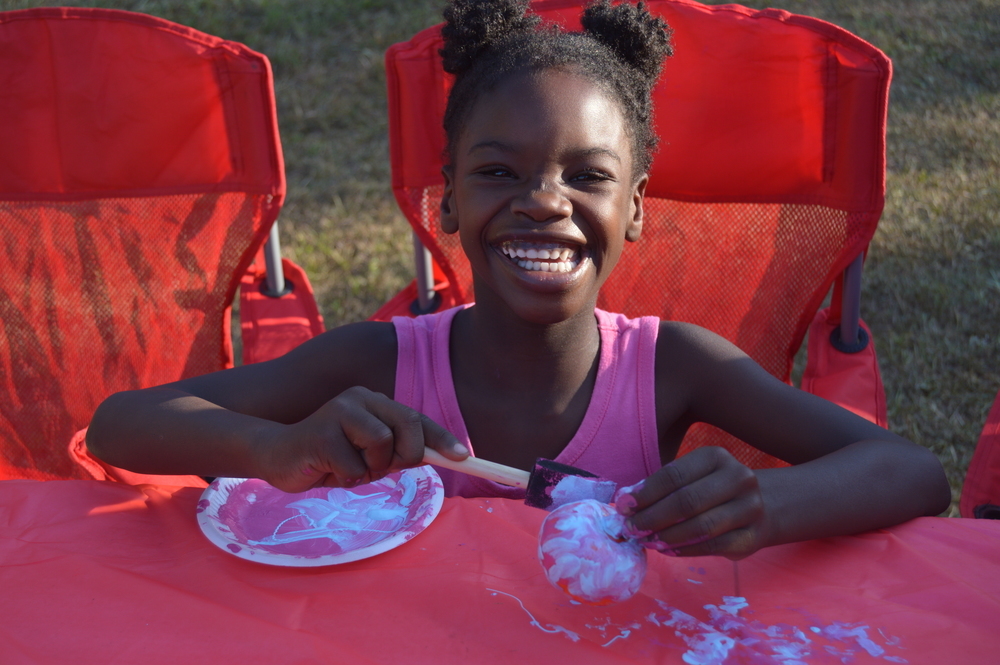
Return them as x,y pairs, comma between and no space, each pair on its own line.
851,301
428,299
850,337
275,277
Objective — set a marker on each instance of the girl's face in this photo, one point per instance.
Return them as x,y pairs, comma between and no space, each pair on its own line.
542,193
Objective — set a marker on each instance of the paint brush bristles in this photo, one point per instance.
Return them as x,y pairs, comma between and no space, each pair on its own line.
553,484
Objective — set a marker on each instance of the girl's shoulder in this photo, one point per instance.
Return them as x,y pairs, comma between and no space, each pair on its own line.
679,343
692,363
362,354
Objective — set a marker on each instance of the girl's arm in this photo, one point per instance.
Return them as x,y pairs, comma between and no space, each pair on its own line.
849,475
317,416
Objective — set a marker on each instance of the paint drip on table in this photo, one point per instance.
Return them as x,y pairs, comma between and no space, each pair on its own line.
322,526
727,634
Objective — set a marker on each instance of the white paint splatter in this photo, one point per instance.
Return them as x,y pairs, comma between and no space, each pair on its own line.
732,604
623,630
728,637
551,628
624,635
343,515
725,637
859,633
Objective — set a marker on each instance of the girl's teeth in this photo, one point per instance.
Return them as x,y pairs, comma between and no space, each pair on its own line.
562,266
554,259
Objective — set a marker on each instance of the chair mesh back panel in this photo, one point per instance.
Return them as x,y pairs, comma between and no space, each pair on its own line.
149,174
110,295
769,178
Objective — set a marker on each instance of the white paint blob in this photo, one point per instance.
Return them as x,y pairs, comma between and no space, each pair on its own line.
582,553
576,488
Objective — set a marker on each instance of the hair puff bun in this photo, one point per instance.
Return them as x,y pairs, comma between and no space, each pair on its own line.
640,39
473,26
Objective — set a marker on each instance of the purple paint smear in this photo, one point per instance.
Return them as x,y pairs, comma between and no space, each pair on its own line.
726,638
326,521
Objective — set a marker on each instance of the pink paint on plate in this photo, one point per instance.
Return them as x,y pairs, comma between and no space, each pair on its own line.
319,527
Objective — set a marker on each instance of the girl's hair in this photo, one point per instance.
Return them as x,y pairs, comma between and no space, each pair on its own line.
621,49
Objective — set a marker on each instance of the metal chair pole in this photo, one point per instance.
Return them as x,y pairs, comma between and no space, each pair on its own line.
272,262
426,298
851,302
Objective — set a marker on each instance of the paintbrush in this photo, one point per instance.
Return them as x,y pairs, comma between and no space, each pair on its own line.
548,486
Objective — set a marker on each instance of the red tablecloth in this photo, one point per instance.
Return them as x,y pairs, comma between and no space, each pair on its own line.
94,572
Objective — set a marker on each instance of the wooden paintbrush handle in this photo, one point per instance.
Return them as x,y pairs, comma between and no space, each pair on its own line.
473,466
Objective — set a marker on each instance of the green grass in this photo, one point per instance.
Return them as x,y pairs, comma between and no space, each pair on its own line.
932,282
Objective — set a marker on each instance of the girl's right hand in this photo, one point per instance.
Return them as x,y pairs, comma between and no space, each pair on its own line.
703,503
355,438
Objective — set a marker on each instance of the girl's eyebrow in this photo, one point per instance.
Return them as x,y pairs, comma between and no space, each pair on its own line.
495,145
594,152
573,154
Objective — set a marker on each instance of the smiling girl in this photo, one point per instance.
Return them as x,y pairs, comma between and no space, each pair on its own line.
549,143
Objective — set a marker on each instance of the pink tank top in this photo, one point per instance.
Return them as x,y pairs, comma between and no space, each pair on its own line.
617,438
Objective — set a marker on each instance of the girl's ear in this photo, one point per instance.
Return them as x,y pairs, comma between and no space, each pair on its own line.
449,213
634,229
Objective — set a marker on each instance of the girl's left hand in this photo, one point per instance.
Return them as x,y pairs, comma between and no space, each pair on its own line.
705,502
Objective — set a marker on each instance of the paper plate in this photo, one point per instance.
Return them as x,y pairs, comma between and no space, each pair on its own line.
319,527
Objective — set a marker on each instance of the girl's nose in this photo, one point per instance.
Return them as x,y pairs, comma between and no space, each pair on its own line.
542,204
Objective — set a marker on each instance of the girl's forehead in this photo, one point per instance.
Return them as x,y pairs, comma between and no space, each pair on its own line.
553,103
542,91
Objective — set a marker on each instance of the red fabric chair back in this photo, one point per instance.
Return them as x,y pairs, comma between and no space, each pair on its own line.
140,170
769,180
981,490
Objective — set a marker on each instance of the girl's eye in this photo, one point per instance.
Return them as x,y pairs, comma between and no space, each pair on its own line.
591,175
495,172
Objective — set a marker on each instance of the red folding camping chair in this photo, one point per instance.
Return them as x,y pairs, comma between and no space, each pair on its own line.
140,174
766,191
981,490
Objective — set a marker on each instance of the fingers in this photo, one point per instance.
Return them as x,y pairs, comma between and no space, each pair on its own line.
674,477
703,503
332,466
361,436
442,440
728,530
392,436
388,435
